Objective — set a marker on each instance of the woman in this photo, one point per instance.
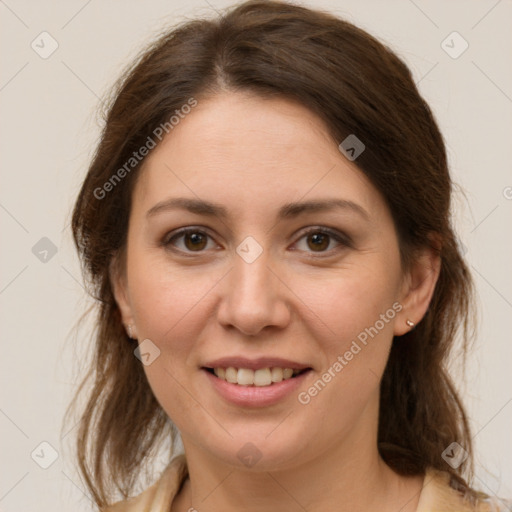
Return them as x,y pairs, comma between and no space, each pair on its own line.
266,224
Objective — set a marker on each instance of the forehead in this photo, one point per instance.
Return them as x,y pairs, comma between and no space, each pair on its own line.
251,152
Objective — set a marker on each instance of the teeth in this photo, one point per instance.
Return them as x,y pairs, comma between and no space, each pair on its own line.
245,377
262,377
248,377
231,375
276,374
287,373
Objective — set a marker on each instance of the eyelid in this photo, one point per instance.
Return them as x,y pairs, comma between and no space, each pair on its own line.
166,241
340,237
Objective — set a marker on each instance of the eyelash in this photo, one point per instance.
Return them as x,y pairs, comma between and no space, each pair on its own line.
342,239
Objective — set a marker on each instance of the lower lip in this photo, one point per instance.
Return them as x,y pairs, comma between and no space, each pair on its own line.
255,396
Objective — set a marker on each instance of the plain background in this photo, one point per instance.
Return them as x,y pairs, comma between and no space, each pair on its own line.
49,128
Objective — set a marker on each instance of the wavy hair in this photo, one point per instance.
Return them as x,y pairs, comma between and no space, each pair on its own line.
356,85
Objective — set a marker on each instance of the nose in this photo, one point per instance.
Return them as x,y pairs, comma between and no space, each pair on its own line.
254,297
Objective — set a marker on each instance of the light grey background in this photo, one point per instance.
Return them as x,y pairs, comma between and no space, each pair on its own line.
49,129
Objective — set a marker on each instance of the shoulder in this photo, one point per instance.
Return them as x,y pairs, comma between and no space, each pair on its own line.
158,496
440,494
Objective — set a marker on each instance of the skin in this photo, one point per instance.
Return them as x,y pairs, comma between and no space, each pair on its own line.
296,301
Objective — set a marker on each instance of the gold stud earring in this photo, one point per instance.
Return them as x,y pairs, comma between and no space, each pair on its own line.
410,323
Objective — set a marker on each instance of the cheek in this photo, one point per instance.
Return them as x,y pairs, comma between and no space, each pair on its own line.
172,308
354,337
354,314
165,297
346,301
169,311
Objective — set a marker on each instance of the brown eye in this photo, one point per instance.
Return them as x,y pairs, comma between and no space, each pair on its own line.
318,240
194,240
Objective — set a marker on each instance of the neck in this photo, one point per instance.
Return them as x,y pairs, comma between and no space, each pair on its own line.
346,476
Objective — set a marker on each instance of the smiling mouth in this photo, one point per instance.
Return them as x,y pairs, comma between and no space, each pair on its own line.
255,378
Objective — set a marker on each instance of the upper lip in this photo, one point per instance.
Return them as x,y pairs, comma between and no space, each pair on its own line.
255,364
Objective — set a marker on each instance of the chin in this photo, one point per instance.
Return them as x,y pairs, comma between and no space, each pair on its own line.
257,451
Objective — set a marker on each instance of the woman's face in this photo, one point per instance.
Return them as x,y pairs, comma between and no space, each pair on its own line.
251,283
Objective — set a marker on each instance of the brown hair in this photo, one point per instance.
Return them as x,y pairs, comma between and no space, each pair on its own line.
356,85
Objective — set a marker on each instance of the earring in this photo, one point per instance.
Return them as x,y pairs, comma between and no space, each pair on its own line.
410,323
129,329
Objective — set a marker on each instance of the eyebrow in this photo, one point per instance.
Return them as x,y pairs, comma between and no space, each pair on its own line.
289,210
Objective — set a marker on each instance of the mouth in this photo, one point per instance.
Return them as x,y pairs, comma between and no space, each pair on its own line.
261,377
257,387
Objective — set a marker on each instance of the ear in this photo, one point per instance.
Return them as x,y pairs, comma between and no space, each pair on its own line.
117,275
418,286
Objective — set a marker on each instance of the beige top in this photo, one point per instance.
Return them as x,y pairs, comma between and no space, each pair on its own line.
436,496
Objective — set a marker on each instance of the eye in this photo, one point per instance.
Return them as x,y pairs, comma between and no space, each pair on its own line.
319,239
194,240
